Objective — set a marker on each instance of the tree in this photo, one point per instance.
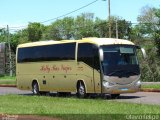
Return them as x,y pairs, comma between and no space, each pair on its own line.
101,28
123,27
84,26
35,31
3,34
147,30
147,21
157,32
19,37
70,28
61,29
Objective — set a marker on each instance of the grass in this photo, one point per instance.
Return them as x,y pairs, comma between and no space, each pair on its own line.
152,86
7,77
7,80
71,107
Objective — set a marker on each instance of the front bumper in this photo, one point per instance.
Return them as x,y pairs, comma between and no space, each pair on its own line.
119,89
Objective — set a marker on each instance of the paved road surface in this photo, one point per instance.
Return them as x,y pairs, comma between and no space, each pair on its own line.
12,90
139,97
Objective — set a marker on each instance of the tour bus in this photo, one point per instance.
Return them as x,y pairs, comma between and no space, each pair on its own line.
87,66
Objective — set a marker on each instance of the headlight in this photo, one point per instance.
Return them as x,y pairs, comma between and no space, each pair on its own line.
138,83
107,84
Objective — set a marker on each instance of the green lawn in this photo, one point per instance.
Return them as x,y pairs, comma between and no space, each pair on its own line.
7,80
153,86
7,77
72,107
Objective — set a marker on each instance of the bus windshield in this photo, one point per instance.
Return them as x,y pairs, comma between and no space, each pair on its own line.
120,60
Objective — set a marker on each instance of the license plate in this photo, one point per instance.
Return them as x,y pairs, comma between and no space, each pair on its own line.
124,89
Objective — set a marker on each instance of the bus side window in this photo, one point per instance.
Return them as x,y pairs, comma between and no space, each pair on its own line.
85,53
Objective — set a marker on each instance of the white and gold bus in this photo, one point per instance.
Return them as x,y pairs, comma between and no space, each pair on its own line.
91,65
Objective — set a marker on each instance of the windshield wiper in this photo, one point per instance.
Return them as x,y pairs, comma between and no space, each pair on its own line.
123,73
116,71
134,72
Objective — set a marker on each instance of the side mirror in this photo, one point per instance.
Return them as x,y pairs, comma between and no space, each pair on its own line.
144,53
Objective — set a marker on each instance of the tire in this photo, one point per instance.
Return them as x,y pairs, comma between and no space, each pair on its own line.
35,89
81,91
114,96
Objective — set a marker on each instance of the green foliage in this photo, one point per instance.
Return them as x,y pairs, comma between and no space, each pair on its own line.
148,21
124,28
152,86
157,41
3,35
7,80
150,67
101,28
84,25
35,31
157,33
18,38
61,29
147,35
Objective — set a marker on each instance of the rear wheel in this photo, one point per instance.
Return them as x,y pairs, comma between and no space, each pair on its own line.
81,91
35,88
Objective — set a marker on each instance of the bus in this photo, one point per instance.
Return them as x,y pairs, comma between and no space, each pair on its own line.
87,66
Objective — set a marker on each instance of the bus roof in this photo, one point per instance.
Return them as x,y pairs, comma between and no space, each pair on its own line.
94,40
106,41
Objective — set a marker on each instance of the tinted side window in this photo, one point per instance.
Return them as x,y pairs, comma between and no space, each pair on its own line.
47,53
85,53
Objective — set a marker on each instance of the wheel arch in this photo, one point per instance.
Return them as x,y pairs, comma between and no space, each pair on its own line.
83,82
35,81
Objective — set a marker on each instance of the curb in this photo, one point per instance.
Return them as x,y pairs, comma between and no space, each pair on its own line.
8,85
149,90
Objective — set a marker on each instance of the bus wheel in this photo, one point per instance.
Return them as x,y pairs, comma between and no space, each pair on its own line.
114,96
81,91
35,88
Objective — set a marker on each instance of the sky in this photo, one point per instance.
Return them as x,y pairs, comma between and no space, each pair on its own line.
17,13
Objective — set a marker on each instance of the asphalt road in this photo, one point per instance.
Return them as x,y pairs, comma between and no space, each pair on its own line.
139,97
12,90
